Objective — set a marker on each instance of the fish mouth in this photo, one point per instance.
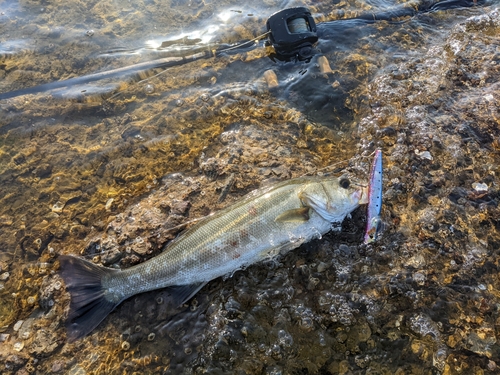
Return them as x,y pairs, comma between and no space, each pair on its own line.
360,195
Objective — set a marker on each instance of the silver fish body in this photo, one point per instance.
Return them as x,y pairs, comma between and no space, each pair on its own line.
266,222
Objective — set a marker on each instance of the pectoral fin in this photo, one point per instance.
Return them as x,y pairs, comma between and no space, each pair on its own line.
295,215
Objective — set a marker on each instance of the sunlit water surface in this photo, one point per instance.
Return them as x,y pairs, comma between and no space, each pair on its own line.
106,169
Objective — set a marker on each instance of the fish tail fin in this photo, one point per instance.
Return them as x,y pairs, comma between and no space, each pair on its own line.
89,305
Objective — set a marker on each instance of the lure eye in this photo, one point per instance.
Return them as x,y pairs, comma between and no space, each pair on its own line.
344,183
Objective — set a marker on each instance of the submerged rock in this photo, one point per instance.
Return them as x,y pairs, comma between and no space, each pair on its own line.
422,299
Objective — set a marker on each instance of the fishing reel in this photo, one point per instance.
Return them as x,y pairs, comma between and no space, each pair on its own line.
292,33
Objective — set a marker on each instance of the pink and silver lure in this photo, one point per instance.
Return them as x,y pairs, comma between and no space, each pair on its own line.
374,222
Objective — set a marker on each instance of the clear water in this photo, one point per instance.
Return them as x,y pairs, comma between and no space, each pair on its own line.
106,169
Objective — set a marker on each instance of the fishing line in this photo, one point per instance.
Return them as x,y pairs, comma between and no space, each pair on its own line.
345,161
242,44
298,25
216,53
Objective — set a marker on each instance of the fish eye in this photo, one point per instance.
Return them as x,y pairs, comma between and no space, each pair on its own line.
344,183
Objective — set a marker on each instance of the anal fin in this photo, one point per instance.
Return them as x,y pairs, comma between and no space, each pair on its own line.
180,294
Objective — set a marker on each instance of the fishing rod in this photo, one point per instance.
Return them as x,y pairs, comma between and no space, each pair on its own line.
291,32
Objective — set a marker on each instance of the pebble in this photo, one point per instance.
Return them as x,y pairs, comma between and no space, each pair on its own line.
4,337
4,276
18,325
77,370
56,367
31,300
179,207
271,78
108,204
324,65
419,278
492,366
111,256
25,329
149,89
6,220
58,207
482,187
322,266
424,154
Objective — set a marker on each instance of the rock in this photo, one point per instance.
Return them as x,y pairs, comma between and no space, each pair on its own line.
179,207
43,171
56,367
111,256
45,343
26,329
482,342
4,337
18,325
271,79
6,220
13,362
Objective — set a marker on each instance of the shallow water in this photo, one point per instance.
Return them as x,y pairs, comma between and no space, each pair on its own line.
106,169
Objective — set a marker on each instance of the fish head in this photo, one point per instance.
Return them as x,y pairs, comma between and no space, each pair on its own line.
334,198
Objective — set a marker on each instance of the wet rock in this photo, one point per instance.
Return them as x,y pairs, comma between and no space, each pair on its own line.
57,367
50,286
58,207
26,329
18,325
480,187
313,317
18,346
4,337
271,79
6,220
111,256
77,370
179,207
78,230
482,342
14,362
281,171
174,221
44,343
130,260
43,171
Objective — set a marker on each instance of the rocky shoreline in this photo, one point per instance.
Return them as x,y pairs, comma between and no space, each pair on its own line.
424,299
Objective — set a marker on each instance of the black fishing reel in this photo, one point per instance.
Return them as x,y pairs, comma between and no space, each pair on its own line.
292,33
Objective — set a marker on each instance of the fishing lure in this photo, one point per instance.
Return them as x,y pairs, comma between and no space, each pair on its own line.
374,222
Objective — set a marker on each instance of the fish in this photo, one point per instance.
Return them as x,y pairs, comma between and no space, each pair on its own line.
374,221
263,224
